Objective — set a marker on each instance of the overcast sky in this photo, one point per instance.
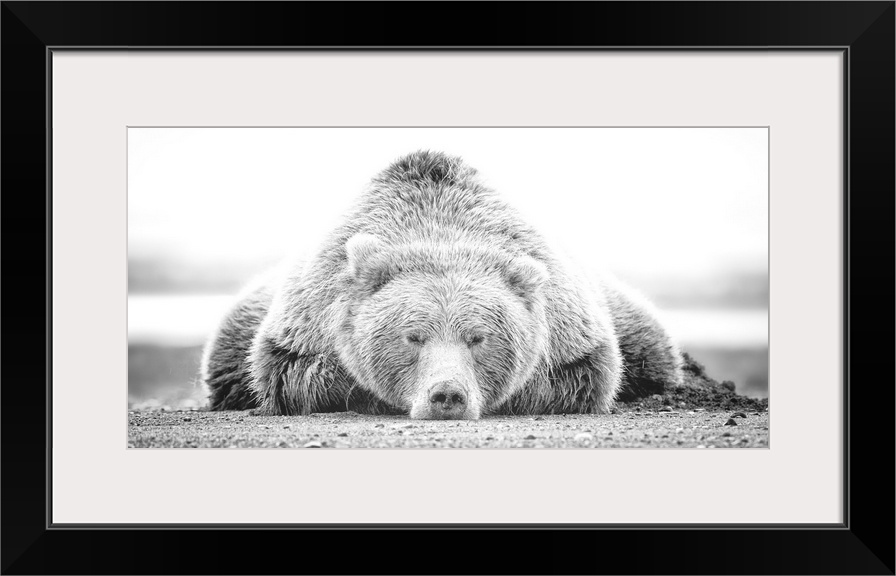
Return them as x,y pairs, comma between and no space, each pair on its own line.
687,201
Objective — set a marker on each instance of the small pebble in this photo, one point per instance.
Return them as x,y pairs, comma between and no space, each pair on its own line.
584,437
312,445
731,422
342,434
530,437
738,415
187,419
380,426
666,409
286,426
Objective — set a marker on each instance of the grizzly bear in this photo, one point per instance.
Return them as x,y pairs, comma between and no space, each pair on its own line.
435,299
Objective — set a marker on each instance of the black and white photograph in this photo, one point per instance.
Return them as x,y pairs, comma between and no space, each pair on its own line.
448,287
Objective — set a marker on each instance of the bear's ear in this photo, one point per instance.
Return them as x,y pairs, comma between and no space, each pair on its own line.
368,261
526,276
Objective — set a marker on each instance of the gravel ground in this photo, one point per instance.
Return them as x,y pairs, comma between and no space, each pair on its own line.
676,429
702,413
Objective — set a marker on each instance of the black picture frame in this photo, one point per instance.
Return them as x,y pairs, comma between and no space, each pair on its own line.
863,544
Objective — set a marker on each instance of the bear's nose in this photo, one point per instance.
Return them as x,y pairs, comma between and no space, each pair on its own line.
447,400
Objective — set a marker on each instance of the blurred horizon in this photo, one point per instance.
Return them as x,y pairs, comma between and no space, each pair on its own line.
167,275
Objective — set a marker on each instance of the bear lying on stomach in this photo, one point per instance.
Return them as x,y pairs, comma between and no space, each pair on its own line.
435,299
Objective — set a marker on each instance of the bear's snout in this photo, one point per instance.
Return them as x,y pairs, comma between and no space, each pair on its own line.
446,384
447,401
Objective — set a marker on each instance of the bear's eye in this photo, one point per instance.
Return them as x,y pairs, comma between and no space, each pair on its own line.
415,339
475,339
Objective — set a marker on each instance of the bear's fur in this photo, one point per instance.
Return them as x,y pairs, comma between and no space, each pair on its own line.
433,281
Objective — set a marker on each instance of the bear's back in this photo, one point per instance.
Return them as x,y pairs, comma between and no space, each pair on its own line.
433,197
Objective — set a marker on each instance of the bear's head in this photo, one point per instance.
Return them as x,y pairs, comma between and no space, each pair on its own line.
444,330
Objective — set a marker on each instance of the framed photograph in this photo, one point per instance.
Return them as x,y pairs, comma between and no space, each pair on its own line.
309,275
